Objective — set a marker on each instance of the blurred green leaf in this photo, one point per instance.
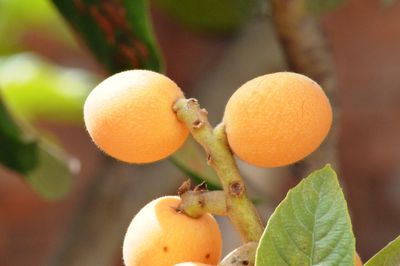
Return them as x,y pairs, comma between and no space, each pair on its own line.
311,226
51,178
43,165
36,89
388,3
323,6
18,151
190,159
119,33
388,256
209,15
18,19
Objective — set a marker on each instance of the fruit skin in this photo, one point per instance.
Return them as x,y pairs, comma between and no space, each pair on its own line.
160,236
357,260
192,264
129,116
277,119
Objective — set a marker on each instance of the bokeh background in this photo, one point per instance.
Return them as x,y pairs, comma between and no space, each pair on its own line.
46,71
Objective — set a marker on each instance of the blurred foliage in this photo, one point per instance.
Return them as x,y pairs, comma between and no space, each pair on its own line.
52,176
217,16
119,33
18,151
18,17
388,3
31,88
323,6
191,160
34,88
43,165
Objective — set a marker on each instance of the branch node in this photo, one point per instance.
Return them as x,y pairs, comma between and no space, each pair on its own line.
236,189
202,187
203,111
197,124
193,101
185,187
201,202
209,159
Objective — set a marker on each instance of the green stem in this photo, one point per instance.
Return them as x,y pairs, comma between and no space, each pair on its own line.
241,210
196,203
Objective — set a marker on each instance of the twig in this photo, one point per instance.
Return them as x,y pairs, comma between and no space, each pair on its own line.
240,209
196,203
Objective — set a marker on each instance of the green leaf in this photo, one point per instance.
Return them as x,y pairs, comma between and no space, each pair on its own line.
190,160
18,151
119,33
18,20
209,15
36,89
43,165
311,226
388,256
51,179
323,6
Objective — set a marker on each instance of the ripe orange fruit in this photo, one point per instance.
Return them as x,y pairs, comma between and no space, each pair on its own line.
277,119
159,235
129,116
357,260
192,264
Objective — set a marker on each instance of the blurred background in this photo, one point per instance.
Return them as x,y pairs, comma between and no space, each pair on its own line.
62,202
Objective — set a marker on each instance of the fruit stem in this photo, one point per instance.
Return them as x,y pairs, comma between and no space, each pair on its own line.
196,203
240,209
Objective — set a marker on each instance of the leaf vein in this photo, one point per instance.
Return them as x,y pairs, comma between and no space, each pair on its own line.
278,252
298,219
290,237
313,231
334,247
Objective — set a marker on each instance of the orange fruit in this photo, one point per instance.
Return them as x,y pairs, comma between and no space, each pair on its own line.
159,235
277,119
129,116
192,264
357,260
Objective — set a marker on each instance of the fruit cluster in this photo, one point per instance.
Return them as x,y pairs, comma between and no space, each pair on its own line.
273,120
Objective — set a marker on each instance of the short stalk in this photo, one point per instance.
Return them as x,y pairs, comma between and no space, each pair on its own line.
240,209
196,203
